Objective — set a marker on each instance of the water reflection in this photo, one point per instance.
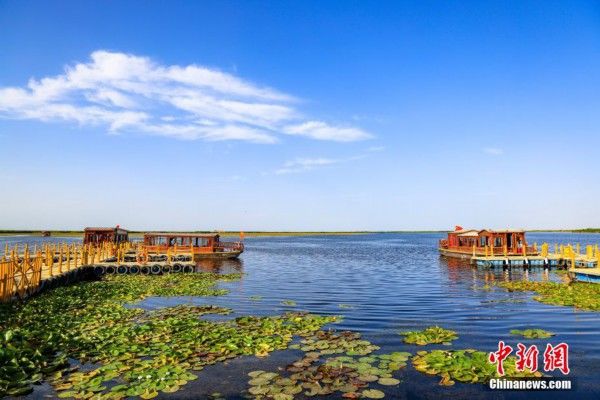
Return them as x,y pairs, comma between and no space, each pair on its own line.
219,266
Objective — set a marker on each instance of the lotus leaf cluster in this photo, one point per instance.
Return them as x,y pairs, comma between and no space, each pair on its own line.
532,333
330,342
468,366
584,296
126,351
314,375
431,335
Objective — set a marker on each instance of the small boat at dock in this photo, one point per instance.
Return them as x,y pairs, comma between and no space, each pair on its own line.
468,243
201,246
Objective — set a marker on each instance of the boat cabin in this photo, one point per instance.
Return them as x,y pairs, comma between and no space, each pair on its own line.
478,242
197,244
101,235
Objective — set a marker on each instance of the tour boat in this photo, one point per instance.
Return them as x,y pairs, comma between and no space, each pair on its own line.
199,245
98,236
467,243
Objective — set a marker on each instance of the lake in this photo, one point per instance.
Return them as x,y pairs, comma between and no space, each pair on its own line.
382,284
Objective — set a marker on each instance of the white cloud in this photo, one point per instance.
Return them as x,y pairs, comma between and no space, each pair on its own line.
322,131
129,92
493,151
309,164
305,164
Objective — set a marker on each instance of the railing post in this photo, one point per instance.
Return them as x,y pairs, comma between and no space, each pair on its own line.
60,259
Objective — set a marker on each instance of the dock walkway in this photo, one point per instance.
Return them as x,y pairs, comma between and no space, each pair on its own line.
563,256
24,270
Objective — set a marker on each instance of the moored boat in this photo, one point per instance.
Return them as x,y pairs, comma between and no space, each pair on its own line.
199,245
97,236
467,243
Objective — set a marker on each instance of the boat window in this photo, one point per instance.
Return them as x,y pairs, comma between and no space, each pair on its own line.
201,242
498,242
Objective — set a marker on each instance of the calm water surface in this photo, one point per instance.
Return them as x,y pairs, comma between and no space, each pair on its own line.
393,282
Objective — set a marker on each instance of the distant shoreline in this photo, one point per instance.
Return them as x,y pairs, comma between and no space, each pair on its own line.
9,232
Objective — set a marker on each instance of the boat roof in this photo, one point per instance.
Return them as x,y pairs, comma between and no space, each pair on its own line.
475,232
469,233
503,230
105,229
182,234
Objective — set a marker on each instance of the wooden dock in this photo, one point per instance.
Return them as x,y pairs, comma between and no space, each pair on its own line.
550,261
26,270
591,275
563,256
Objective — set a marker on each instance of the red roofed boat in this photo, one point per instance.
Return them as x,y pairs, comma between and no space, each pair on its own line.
466,243
98,236
199,245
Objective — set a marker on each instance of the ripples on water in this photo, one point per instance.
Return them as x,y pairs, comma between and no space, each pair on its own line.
391,283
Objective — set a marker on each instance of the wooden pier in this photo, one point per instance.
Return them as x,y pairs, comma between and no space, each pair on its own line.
25,270
591,275
563,256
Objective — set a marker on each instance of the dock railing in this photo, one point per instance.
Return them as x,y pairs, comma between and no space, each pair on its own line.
488,250
24,267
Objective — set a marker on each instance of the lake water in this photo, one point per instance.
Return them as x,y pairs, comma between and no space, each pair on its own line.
392,283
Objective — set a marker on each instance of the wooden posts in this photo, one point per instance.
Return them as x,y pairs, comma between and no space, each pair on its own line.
60,259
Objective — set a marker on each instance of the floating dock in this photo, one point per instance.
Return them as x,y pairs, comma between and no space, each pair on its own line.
566,257
26,270
591,275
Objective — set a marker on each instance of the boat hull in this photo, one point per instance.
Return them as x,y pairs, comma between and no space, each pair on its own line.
220,255
456,254
463,255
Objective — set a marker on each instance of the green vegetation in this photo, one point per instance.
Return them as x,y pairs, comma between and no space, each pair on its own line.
585,296
469,366
126,351
336,343
431,335
313,375
532,333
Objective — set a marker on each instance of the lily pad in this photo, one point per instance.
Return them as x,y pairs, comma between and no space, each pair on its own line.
430,335
532,333
373,394
388,381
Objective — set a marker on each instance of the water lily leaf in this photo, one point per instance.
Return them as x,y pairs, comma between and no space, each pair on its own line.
258,390
532,333
259,381
373,394
171,389
368,378
149,395
282,396
388,381
430,335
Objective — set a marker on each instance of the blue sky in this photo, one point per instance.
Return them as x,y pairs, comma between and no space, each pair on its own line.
312,115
